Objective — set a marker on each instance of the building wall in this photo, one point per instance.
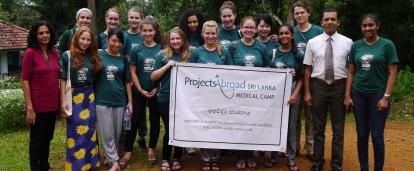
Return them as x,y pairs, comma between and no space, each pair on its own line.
3,62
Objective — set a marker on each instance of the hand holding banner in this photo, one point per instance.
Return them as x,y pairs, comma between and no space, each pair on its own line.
229,107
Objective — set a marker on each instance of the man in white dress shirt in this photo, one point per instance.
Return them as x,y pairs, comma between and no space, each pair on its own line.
324,82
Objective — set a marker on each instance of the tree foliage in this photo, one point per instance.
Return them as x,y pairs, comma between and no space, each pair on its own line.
397,16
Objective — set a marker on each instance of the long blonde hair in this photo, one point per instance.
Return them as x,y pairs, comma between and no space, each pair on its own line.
212,23
185,48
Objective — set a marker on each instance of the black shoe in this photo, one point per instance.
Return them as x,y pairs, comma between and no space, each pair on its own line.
317,166
336,168
142,145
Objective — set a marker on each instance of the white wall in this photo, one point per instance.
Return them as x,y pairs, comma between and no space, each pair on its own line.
3,62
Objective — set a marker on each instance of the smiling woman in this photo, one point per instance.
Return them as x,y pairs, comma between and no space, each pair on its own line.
372,71
141,65
228,32
177,50
81,126
40,73
83,18
112,19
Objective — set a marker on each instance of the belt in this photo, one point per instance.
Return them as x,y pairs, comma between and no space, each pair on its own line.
335,82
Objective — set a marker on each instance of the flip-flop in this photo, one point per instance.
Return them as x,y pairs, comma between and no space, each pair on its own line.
123,163
241,165
165,166
270,163
176,164
251,164
293,167
215,166
152,159
206,166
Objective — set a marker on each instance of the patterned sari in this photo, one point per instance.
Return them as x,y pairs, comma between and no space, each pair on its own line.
82,145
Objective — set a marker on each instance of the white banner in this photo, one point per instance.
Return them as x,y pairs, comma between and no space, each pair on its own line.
229,107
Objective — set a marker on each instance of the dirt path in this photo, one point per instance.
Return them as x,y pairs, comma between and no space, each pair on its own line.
399,137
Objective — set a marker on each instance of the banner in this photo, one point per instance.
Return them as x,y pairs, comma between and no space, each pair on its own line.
229,107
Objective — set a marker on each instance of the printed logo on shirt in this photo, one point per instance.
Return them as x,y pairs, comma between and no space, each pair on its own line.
366,61
82,74
280,65
149,64
133,45
225,43
301,48
249,60
110,72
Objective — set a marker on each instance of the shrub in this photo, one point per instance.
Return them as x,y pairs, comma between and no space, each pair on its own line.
10,82
404,84
12,115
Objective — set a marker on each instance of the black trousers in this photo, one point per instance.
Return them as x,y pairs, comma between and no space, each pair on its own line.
167,149
139,121
328,99
41,133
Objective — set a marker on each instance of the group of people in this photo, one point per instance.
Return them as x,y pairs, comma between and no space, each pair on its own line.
119,74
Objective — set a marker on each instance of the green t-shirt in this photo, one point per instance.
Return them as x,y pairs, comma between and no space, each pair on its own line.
270,45
194,41
203,56
79,78
134,39
103,43
110,81
64,40
252,55
302,38
143,58
284,60
164,83
225,36
371,65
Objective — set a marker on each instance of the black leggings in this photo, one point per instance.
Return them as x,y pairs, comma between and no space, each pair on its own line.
41,133
139,122
167,149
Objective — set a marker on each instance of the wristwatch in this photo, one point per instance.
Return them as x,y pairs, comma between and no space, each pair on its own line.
387,95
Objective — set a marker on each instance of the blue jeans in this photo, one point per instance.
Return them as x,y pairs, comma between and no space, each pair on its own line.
369,120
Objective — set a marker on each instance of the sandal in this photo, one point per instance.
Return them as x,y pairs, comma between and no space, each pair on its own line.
123,163
293,167
176,164
241,164
165,166
251,164
215,166
152,158
206,166
270,163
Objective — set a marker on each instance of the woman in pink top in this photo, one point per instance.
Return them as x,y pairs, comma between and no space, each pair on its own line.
40,71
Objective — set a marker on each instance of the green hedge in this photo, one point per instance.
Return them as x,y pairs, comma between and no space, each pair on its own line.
404,84
12,115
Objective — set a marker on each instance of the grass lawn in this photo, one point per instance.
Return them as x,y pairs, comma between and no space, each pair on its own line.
14,154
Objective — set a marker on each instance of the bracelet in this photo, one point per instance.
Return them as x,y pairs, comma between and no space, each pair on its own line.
387,95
